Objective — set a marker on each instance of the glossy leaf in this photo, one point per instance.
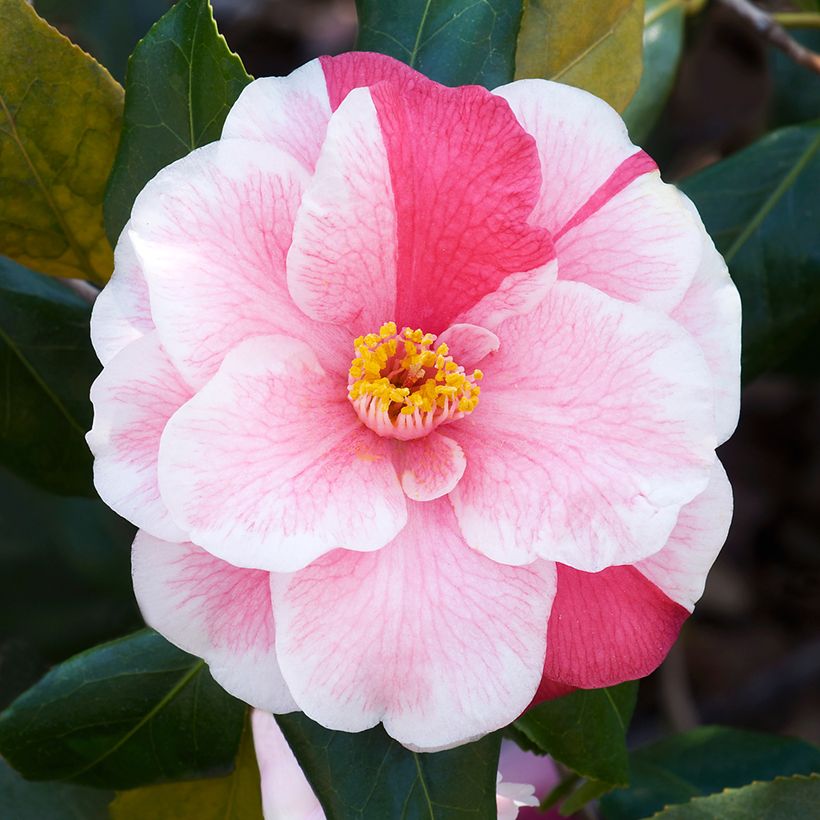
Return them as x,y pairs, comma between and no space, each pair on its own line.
585,730
369,775
22,800
761,208
594,45
455,42
182,80
662,47
238,796
704,761
787,798
47,366
60,114
129,713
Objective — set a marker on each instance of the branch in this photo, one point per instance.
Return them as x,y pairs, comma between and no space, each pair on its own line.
768,28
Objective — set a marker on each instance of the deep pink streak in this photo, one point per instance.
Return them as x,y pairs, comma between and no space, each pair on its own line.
629,170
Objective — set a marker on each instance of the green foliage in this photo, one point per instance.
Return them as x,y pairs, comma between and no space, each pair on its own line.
21,800
786,798
702,762
662,47
369,775
586,731
47,366
129,713
238,796
182,81
107,30
761,208
52,178
795,89
595,45
455,42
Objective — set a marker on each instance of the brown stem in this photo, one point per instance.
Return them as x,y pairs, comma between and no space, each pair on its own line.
768,28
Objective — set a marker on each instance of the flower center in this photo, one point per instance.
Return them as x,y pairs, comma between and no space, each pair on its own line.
403,386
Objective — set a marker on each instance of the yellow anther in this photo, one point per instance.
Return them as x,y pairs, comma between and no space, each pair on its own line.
478,375
423,378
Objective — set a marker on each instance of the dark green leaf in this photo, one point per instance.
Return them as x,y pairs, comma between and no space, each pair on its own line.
46,368
787,798
65,583
585,730
238,796
662,47
128,713
795,89
107,30
369,776
761,208
589,790
704,761
21,800
455,42
182,80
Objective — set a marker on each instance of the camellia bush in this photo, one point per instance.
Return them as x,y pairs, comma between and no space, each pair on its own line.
401,377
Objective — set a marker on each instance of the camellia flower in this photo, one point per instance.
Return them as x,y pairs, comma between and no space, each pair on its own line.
287,795
414,394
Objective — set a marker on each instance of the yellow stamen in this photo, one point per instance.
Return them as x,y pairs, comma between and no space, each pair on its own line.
412,377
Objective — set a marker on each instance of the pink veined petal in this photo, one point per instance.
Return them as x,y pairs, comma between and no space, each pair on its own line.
462,194
269,467
286,793
216,611
608,627
595,426
636,243
360,69
469,344
342,264
439,643
122,312
212,231
133,397
581,142
679,569
429,467
710,310
289,113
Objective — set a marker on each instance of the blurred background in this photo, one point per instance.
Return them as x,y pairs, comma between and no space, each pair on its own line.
750,656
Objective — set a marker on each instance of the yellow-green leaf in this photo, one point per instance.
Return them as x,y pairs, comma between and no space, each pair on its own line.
60,116
238,796
595,45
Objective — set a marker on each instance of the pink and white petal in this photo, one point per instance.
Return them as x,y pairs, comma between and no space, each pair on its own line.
463,196
429,467
710,310
267,467
581,143
680,568
290,113
608,627
640,244
359,69
212,231
439,643
342,264
595,427
216,611
122,312
469,344
286,793
133,397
